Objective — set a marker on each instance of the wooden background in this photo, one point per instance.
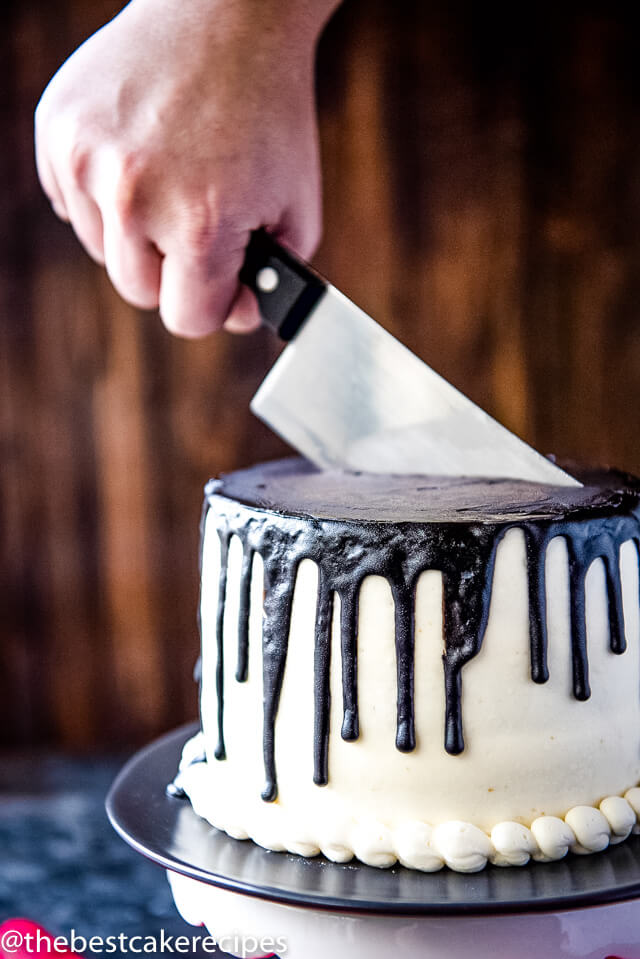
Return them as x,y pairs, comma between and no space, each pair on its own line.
482,198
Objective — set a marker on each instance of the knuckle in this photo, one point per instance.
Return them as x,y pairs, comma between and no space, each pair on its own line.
200,231
212,234
199,240
78,163
129,192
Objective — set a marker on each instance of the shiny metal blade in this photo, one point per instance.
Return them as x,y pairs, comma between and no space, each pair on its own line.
347,394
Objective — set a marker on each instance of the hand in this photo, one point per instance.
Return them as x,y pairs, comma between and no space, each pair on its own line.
173,132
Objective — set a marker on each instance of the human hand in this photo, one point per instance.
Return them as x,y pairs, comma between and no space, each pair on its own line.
173,132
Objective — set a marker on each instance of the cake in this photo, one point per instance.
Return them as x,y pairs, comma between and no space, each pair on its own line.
435,671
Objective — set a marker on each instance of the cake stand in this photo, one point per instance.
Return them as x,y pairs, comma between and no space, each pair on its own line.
254,901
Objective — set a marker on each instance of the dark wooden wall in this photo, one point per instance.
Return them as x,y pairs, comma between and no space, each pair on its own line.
482,198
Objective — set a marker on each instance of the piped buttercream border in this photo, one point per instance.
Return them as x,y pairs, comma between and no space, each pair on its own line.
459,845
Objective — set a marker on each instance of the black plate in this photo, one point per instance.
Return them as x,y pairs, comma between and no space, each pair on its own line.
167,831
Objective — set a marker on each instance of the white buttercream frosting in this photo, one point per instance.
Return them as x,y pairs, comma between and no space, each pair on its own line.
461,846
553,836
537,762
620,816
513,844
590,828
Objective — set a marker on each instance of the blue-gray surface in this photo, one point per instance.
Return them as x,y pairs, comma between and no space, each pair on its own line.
61,863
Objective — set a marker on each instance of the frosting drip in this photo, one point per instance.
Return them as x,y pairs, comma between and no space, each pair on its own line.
450,525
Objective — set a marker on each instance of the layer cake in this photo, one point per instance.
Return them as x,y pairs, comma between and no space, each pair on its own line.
440,671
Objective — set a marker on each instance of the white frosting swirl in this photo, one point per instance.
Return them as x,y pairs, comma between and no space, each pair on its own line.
619,815
553,836
463,847
633,798
415,848
513,844
373,844
590,828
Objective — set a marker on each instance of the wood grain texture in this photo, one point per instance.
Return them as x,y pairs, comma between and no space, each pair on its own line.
482,200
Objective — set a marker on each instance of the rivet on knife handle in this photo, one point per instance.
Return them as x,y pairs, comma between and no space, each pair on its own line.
286,288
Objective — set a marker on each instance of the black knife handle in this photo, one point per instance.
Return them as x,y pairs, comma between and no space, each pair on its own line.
286,288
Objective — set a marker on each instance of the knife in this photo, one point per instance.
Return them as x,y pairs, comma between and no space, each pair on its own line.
347,394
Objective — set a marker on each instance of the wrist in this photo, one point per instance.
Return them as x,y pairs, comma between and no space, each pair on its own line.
269,27
298,22
309,17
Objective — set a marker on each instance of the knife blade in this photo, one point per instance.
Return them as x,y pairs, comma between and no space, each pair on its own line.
345,393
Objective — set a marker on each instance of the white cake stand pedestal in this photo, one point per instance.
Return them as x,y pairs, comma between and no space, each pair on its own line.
240,923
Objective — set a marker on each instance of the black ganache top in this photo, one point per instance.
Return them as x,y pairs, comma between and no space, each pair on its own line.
356,524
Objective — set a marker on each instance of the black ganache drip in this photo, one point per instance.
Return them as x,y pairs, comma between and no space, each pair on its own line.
355,525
